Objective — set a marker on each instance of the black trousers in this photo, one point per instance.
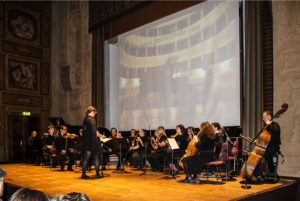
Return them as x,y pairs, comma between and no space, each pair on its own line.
157,159
270,151
86,156
63,158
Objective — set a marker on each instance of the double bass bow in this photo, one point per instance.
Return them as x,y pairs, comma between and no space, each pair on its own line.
261,143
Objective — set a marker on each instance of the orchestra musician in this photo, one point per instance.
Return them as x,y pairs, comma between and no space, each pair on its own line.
190,133
219,139
48,143
64,145
161,153
182,141
194,164
138,156
132,143
33,148
90,142
273,147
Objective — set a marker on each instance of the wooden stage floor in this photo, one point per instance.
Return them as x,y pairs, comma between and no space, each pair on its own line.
128,186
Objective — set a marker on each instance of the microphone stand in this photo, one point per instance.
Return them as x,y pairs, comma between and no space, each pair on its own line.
227,141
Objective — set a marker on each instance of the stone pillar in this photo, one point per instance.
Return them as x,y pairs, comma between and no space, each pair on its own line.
71,61
286,18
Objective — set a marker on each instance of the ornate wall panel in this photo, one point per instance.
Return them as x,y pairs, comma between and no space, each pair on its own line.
16,99
22,75
23,50
25,61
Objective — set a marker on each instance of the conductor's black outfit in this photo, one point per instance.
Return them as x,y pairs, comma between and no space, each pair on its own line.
90,144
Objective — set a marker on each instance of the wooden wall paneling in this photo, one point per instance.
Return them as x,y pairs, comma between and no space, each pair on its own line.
16,99
23,50
2,126
2,19
44,32
2,71
44,78
44,120
37,6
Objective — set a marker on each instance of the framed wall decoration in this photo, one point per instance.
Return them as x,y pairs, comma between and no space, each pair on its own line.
22,75
22,25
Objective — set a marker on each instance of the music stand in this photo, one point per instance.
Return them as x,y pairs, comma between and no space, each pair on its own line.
103,141
173,145
145,167
120,144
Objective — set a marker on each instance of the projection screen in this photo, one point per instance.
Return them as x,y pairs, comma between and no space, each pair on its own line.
181,69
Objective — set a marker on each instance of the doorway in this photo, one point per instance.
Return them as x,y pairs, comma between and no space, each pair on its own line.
19,129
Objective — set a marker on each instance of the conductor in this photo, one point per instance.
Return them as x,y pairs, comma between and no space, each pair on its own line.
90,143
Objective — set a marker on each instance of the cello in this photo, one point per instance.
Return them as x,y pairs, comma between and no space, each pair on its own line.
260,147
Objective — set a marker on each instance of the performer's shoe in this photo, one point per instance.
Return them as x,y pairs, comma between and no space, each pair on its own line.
84,176
62,169
195,180
70,169
186,180
258,179
98,176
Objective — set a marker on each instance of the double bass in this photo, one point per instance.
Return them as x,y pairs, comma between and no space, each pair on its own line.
260,147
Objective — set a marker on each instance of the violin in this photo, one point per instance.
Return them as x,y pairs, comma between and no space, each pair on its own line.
70,136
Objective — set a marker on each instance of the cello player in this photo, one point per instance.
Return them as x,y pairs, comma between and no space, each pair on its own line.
273,147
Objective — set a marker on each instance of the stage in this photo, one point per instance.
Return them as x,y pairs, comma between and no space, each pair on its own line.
133,186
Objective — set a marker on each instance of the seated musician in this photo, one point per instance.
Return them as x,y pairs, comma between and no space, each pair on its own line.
161,153
132,143
138,156
219,139
48,143
273,147
182,141
33,148
110,147
64,146
194,164
191,133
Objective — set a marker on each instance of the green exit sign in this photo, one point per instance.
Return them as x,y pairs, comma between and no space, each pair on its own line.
26,113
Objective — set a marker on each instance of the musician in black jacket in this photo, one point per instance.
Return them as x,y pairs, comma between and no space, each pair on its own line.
157,158
273,147
219,139
64,146
90,143
33,147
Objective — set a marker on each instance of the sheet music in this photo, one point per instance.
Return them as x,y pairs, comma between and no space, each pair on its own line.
173,144
104,140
